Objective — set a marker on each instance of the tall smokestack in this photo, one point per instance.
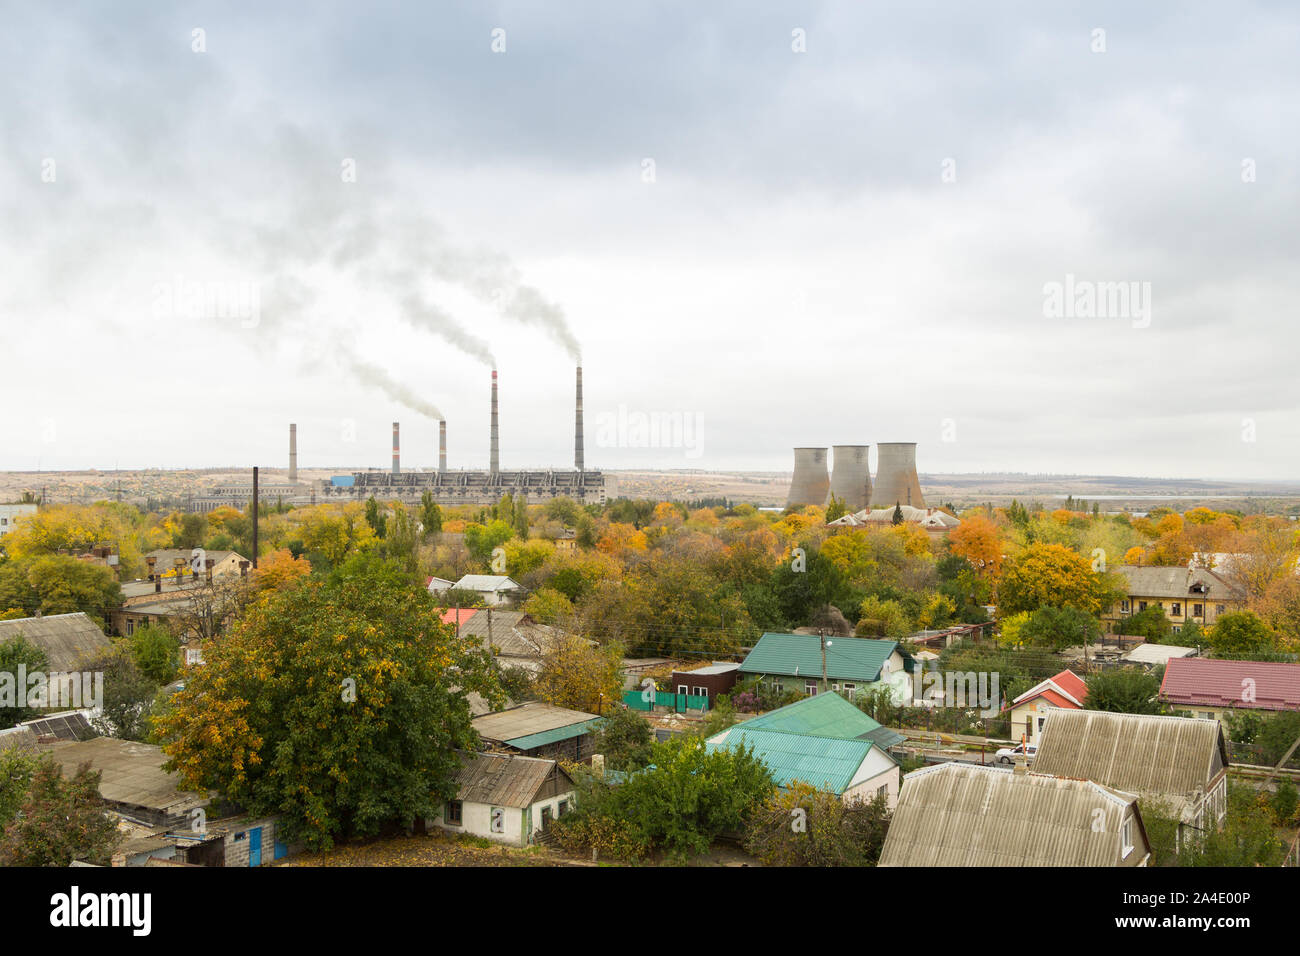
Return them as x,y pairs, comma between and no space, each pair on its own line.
577,427
293,453
442,445
397,455
494,464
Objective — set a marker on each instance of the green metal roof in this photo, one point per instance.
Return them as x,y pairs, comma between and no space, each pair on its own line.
825,715
552,736
800,655
824,762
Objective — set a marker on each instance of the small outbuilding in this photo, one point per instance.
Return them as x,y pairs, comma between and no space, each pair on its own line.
506,798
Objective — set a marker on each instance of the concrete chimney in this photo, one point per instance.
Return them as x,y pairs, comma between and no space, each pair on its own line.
811,484
293,453
494,464
577,427
442,445
896,479
397,454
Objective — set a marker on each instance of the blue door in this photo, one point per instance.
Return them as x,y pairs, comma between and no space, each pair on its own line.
255,846
280,850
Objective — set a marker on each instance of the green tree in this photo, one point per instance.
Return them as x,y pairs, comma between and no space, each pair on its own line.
624,738
1050,575
128,693
1124,690
520,520
482,540
802,826
897,517
155,651
1241,634
376,518
430,515
58,584
338,704
16,652
835,509
60,821
1056,628
1149,623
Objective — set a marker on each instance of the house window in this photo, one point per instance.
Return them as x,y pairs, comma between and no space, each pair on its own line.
1198,610
883,791
562,808
681,689
497,819
454,813
1128,838
701,692
1206,715
1218,609
1175,609
1124,606
850,690
810,688
1142,605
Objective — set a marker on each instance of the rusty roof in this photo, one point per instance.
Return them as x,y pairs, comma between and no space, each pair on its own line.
959,814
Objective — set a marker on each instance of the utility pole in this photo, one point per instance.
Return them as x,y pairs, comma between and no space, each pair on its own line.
255,516
821,632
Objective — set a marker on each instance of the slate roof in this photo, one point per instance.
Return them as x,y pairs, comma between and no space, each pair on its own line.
1199,681
502,780
1158,653
800,655
1175,583
67,639
959,814
133,773
1137,753
533,724
486,582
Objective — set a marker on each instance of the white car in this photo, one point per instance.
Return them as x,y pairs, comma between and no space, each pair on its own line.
1008,755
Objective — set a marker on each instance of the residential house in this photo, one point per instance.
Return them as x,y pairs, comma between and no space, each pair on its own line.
962,814
512,636
1212,688
1180,762
1183,593
542,730
68,640
934,520
1029,711
708,681
438,585
494,589
10,515
822,741
166,561
793,662
506,798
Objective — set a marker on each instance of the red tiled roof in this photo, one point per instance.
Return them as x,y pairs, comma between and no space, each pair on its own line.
1212,683
449,616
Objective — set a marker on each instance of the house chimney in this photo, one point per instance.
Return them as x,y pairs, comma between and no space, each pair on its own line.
150,561
494,462
577,426
397,460
442,445
293,453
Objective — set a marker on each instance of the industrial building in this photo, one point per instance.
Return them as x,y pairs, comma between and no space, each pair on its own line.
896,481
478,487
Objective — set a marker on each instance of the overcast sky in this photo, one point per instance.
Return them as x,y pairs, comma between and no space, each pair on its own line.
772,224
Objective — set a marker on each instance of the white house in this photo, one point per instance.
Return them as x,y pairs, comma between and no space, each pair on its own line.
9,515
492,588
506,798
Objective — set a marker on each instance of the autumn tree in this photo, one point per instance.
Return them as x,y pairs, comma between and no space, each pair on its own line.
338,705
978,541
1050,575
1241,634
59,821
800,825
58,584
579,675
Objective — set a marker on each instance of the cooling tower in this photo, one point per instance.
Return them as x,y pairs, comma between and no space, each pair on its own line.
442,445
896,480
293,453
494,464
397,458
577,427
851,476
811,484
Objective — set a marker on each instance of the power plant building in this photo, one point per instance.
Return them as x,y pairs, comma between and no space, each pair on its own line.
896,481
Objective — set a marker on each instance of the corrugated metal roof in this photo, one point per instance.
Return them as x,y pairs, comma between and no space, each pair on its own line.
1176,583
502,780
847,658
827,763
1213,683
959,814
825,715
132,773
1137,753
545,737
68,640
486,582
